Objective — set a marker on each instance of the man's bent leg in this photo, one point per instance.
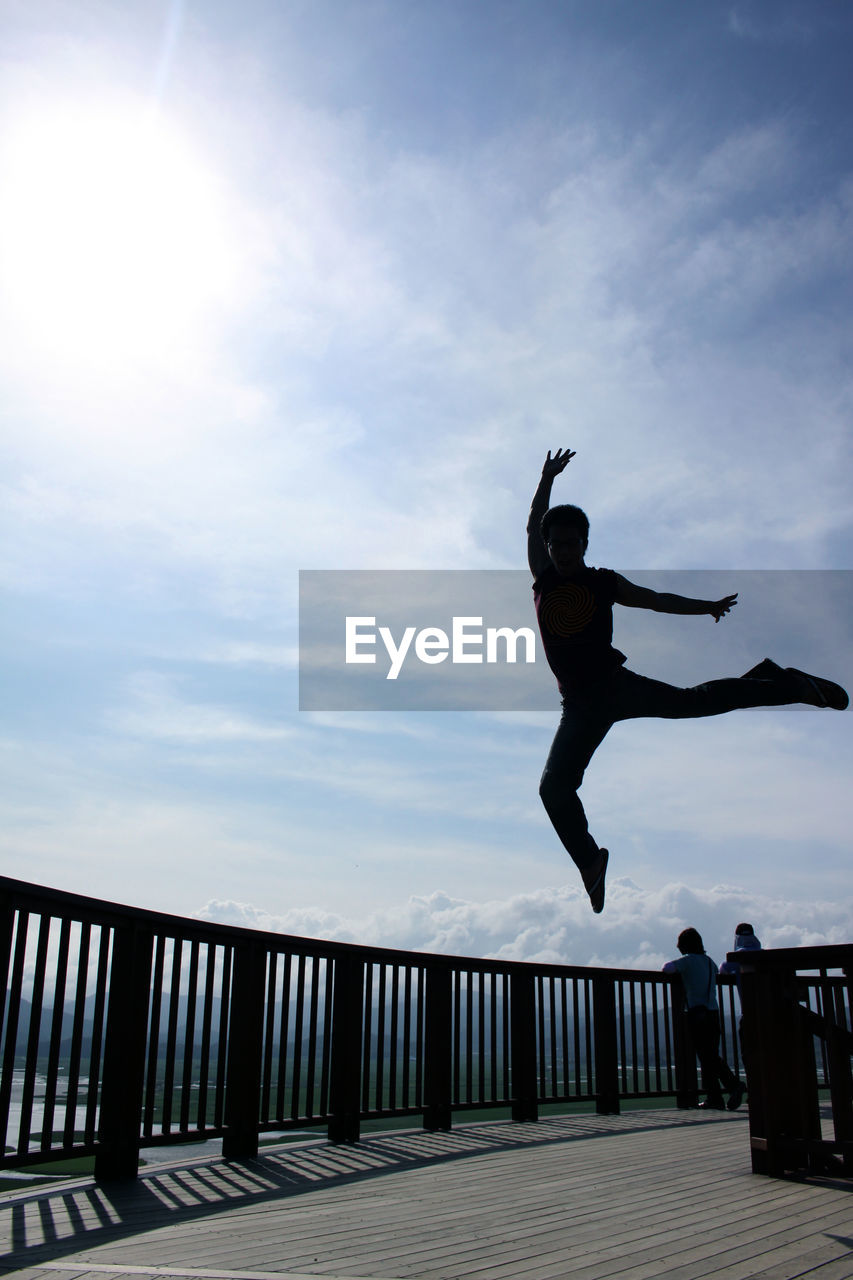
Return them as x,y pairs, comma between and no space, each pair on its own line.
580,731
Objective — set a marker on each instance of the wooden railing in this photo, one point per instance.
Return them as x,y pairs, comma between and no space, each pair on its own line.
798,1042
124,1028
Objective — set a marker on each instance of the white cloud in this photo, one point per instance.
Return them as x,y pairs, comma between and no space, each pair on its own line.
154,710
638,928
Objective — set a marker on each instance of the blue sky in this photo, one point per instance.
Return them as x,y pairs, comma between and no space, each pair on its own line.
316,286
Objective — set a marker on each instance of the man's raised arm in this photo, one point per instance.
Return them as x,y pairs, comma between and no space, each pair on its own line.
537,552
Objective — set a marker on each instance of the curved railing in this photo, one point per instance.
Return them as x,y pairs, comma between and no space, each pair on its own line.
124,1028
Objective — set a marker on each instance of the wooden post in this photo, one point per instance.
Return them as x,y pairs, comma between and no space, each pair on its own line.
438,1049
126,1035
347,1031
606,1044
784,1113
803,1098
522,1003
754,991
245,1053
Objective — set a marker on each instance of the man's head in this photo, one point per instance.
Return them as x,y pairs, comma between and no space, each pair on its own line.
690,943
745,939
565,532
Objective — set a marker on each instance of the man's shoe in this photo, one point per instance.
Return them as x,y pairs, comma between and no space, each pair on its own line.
818,692
596,889
736,1097
813,690
713,1104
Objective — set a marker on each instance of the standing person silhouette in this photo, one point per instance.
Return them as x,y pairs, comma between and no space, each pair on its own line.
574,608
698,974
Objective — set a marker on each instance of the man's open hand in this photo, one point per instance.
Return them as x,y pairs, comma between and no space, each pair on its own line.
553,466
720,608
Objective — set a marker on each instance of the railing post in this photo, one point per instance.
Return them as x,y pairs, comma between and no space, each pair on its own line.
347,1031
245,1053
438,1048
805,1064
684,1053
783,1095
606,1044
125,1040
754,990
522,1005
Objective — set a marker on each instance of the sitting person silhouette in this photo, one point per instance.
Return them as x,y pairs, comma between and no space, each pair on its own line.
574,609
745,940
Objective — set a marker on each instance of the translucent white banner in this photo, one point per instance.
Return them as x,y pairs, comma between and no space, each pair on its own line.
394,640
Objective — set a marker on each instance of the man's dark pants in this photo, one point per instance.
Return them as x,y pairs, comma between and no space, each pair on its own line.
624,695
704,1025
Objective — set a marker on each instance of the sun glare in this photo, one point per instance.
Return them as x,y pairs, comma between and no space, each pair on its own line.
114,241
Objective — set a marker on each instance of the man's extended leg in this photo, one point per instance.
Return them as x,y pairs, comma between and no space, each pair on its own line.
630,696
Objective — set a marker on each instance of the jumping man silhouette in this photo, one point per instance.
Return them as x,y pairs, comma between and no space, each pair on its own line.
574,607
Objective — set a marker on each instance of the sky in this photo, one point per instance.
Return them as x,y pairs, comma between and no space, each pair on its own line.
316,286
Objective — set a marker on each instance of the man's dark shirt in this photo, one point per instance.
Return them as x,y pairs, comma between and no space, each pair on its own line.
575,618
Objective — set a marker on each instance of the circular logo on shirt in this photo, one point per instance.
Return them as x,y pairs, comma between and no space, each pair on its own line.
568,609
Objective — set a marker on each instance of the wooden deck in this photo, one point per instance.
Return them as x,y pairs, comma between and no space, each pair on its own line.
650,1195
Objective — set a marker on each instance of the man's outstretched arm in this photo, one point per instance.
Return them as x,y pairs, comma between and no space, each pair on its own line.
537,552
628,593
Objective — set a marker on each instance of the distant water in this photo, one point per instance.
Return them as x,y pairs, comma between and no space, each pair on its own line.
210,1147
59,1113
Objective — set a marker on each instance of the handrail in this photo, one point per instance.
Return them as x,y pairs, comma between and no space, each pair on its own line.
126,1028
798,1031
96,910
